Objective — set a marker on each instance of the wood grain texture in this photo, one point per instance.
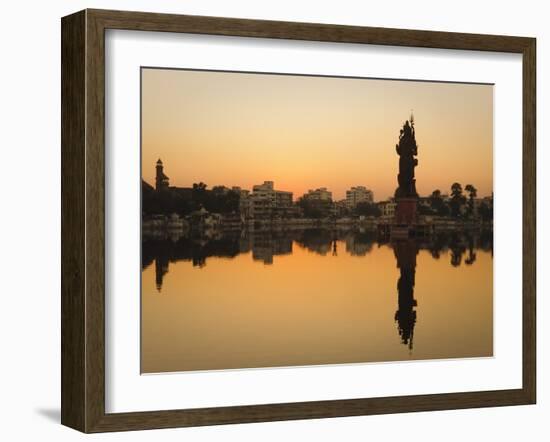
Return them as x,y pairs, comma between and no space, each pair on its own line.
83,220
95,222
73,254
144,21
529,220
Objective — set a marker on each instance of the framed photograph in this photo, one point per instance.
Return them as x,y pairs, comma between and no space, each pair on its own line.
269,220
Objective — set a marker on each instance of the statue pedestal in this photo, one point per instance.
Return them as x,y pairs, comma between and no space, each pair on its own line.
405,212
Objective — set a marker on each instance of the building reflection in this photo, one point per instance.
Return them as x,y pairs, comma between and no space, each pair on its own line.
161,269
265,246
405,316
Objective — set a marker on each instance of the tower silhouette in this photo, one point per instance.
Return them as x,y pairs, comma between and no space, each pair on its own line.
162,182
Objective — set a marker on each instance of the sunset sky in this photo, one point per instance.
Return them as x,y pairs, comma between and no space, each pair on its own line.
305,132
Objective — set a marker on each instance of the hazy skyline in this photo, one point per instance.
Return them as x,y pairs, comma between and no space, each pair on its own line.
304,132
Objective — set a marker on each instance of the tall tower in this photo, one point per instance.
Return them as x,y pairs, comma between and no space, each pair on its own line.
162,182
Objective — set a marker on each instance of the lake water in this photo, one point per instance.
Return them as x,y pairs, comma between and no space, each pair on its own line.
311,297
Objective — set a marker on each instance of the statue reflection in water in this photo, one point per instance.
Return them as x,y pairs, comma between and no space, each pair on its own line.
405,252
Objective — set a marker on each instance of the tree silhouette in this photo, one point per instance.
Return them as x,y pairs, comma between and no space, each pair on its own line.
438,204
315,208
367,209
485,212
472,191
457,200
199,187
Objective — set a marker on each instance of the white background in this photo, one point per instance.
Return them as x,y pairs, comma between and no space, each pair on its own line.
128,391
30,262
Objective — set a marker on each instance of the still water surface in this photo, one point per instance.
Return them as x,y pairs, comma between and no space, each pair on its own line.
313,297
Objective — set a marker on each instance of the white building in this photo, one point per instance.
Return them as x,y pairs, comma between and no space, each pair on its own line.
244,201
265,201
387,208
321,194
358,194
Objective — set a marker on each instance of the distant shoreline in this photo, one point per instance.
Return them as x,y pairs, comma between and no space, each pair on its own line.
175,223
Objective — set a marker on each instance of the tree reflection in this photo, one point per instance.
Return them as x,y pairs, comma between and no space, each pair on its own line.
461,246
265,245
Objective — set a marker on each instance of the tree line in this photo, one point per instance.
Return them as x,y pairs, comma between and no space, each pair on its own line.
184,201
460,205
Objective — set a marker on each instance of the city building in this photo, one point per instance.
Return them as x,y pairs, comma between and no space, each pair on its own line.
358,194
340,208
317,203
283,199
266,202
387,208
244,202
321,194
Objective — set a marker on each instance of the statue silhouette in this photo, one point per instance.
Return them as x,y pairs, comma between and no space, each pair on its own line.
405,316
407,150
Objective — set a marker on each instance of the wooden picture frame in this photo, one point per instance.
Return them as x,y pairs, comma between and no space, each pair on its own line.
83,220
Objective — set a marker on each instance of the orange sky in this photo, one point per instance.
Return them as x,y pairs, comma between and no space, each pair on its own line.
305,132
